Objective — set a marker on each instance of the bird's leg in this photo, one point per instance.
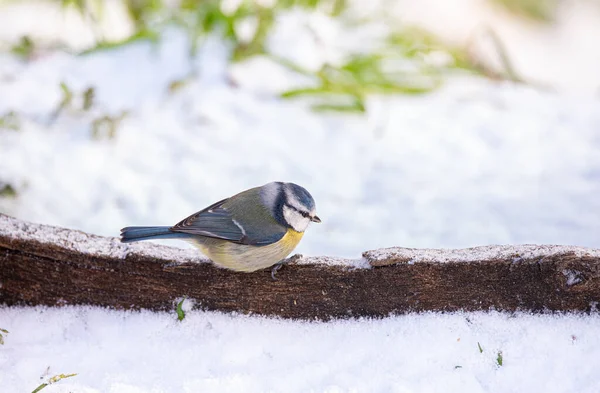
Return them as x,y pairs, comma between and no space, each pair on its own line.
279,264
275,269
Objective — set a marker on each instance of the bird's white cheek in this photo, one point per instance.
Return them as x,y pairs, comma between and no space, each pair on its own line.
295,219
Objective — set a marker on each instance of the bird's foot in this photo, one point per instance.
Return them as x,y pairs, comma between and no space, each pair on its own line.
275,269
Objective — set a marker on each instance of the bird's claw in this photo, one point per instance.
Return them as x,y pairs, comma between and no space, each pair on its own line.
275,269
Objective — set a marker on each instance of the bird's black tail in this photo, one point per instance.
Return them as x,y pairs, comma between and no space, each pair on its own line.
134,234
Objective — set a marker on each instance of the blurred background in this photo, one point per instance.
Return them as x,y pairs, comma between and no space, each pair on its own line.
433,123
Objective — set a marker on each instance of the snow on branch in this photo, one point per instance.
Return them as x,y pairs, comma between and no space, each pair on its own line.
41,264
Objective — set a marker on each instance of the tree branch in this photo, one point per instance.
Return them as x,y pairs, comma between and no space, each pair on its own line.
44,265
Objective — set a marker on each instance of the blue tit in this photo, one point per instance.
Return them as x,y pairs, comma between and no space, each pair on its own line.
252,230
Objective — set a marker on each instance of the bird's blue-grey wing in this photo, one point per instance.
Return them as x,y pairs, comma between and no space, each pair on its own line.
252,225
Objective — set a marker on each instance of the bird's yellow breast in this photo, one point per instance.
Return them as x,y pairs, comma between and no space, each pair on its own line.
245,258
291,239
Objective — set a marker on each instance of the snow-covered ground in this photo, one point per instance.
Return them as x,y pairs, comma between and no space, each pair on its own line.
125,352
476,162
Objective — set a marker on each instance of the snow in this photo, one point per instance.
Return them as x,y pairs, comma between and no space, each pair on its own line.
114,352
387,256
476,162
84,243
573,276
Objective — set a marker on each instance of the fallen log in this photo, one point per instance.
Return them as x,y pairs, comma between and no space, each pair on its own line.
45,265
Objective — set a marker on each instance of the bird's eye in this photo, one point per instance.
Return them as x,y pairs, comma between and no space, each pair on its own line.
302,213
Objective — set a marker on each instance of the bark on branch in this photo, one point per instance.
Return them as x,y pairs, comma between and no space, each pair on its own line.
44,265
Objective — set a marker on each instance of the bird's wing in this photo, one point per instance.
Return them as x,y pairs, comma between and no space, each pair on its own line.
216,221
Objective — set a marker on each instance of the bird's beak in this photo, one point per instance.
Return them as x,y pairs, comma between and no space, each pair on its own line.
315,219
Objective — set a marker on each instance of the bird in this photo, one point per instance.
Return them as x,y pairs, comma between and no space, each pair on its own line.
253,230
